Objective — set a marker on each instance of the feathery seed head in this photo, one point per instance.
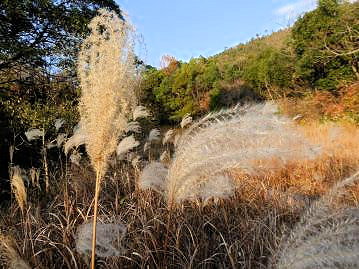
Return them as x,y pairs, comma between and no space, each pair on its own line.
107,235
107,72
154,135
18,187
326,236
126,145
153,176
140,112
77,139
168,136
187,119
59,123
248,138
33,134
75,157
133,126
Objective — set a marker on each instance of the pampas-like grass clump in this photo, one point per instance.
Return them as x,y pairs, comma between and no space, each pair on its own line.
168,136
58,123
186,120
154,135
133,126
247,138
107,73
326,236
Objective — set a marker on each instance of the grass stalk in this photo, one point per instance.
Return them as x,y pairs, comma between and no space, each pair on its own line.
97,193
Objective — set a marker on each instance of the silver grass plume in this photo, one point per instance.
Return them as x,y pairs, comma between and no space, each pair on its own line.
107,235
237,138
140,112
33,134
59,123
153,177
18,186
75,157
126,145
187,119
168,136
78,138
154,135
326,236
107,73
133,126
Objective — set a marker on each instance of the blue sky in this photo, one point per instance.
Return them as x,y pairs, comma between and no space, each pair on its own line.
190,28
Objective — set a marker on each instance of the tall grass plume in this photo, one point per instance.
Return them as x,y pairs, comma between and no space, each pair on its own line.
107,73
327,234
18,187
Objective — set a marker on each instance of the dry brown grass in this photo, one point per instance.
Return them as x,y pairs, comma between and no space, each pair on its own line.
244,231
10,254
342,105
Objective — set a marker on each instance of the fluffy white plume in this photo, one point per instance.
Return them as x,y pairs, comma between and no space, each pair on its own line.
326,236
107,235
75,158
125,145
168,136
33,134
77,139
187,119
154,135
211,189
153,177
59,123
245,138
140,112
133,126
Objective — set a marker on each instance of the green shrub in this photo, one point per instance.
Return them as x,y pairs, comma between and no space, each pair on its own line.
269,68
215,99
325,42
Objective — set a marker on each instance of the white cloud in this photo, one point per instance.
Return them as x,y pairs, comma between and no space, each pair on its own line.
296,8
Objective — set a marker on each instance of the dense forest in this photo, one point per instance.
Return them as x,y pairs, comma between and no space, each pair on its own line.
220,162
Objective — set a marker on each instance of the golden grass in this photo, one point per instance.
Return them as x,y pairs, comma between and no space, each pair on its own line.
18,187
